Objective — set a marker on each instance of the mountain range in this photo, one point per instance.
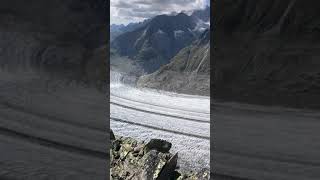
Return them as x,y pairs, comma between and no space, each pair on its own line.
118,29
154,42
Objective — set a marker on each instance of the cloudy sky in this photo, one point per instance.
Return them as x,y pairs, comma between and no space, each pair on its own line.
126,11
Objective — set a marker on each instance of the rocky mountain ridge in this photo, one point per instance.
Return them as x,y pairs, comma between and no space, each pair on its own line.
188,72
117,30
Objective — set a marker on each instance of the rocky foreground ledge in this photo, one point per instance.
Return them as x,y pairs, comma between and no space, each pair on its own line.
134,160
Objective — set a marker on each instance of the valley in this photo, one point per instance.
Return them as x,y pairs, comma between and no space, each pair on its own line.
172,52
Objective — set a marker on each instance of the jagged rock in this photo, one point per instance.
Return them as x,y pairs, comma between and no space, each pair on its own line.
153,162
139,148
112,137
159,145
116,145
131,160
169,168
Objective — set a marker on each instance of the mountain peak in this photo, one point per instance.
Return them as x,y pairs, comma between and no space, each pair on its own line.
182,14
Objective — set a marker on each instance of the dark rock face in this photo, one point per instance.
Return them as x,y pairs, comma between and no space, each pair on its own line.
168,169
188,72
53,36
266,52
159,145
135,160
112,137
158,41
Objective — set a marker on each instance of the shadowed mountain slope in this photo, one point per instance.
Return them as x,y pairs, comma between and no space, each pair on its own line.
267,52
117,30
53,36
188,72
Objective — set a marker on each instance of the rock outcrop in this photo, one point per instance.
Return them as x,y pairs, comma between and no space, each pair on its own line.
131,159
54,37
188,72
266,52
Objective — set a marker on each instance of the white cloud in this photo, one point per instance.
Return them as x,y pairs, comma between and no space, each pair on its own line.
126,11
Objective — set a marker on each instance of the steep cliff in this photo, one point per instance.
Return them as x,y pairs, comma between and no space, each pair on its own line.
267,52
59,37
188,71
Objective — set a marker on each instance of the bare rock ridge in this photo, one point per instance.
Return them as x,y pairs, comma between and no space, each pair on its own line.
188,72
60,37
267,52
